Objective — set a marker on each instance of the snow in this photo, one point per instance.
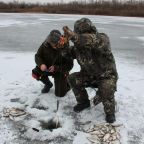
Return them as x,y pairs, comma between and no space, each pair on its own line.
124,37
16,82
40,18
141,38
6,23
81,138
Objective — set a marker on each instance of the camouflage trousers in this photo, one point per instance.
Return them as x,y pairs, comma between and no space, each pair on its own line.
106,89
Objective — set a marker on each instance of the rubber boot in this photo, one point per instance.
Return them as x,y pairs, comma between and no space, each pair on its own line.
47,84
46,88
110,118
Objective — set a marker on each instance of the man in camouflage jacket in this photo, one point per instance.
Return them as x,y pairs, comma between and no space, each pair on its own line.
93,53
50,62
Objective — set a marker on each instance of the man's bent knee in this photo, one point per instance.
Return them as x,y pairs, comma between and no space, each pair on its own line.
36,73
74,80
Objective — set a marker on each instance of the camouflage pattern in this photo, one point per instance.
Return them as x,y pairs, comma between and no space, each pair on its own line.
106,89
84,25
93,53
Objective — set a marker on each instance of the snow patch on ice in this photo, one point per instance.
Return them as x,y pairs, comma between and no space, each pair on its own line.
141,38
81,138
124,37
7,23
132,25
16,82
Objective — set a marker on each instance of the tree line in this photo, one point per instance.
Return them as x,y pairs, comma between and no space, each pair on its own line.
98,7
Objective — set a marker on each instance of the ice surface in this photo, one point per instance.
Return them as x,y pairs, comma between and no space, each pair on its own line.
18,45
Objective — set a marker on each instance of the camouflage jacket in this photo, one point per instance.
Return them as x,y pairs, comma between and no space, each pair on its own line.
93,53
49,56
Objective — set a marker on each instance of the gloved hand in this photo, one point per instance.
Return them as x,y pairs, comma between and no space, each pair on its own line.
62,42
53,68
68,33
43,67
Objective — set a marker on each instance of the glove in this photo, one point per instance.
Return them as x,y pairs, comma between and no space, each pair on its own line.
63,40
43,67
53,68
68,33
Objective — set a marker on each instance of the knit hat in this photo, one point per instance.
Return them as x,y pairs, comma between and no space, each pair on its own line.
54,36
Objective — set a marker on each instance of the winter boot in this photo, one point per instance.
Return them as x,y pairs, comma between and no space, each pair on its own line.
46,88
80,107
110,118
48,84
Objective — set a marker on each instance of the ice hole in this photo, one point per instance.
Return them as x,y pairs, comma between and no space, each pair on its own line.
51,124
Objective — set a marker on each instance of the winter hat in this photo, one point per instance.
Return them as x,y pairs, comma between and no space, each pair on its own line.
54,36
84,25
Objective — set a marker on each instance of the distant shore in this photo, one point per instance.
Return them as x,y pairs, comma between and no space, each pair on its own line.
114,8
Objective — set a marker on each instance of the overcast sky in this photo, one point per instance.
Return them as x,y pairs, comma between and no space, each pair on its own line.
51,1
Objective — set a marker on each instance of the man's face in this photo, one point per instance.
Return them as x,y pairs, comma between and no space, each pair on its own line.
56,46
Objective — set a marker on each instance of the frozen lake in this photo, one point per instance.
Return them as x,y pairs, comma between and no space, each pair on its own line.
20,37
25,32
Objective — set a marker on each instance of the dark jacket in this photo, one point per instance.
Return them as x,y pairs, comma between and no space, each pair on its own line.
49,56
